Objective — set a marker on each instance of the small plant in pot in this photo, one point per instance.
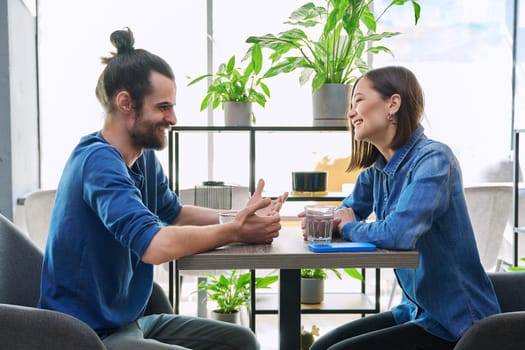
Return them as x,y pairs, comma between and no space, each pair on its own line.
232,291
235,89
312,282
334,58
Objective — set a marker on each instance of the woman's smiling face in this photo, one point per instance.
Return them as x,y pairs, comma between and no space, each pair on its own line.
369,113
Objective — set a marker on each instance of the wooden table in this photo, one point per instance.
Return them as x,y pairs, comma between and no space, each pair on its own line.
289,253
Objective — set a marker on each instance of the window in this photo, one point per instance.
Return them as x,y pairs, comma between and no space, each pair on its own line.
461,52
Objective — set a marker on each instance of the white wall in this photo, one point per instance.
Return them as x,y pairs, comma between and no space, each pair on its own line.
19,147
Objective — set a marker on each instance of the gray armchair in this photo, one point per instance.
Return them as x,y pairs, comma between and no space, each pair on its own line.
505,331
23,326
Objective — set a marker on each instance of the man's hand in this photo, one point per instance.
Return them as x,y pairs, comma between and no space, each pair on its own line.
255,228
275,205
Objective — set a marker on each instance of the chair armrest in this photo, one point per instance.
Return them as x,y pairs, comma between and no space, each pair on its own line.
32,328
509,290
502,331
158,302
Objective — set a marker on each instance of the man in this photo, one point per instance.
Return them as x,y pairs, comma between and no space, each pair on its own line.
114,217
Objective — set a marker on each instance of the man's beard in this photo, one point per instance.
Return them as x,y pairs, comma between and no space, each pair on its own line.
145,135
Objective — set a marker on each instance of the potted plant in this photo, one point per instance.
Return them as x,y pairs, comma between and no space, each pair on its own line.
336,57
232,291
312,282
235,89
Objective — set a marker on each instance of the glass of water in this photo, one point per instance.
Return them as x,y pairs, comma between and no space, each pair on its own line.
319,220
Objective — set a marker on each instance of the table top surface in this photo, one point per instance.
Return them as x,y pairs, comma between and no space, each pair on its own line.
290,251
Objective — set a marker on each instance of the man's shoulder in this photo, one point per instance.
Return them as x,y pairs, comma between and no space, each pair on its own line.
94,142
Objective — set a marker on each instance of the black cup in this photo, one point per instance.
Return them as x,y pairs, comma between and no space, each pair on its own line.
309,181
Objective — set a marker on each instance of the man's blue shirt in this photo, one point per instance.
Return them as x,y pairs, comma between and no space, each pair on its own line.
419,203
104,218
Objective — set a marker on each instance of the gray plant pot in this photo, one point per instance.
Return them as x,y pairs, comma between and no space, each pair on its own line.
330,104
237,113
312,290
234,317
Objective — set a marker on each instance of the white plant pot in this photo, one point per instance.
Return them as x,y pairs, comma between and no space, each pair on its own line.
330,104
312,290
237,113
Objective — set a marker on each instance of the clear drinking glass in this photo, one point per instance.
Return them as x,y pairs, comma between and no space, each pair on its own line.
319,221
227,216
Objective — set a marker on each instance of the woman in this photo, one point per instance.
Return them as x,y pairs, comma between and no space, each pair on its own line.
414,187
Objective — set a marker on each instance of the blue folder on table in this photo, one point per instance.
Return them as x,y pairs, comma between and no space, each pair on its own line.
342,247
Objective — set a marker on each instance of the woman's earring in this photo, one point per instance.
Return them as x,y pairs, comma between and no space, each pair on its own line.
390,118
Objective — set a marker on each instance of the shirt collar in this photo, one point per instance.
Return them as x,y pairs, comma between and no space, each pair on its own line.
399,156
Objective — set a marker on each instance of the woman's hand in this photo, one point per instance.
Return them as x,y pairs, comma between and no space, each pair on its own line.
342,217
337,220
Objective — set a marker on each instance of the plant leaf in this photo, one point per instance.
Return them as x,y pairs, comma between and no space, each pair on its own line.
377,49
205,102
265,282
287,65
417,11
354,273
308,15
199,79
230,65
368,19
257,58
265,88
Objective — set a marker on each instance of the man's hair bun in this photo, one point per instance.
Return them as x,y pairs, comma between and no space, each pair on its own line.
123,41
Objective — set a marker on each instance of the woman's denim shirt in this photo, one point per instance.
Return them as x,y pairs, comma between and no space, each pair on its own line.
419,204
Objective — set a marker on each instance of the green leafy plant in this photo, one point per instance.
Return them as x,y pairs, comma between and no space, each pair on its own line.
321,273
232,291
349,27
231,83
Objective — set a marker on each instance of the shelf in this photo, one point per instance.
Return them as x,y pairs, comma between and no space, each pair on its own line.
331,196
334,303
299,128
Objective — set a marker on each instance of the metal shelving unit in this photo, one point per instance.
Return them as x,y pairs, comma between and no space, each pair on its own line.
334,303
174,141
515,198
267,304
